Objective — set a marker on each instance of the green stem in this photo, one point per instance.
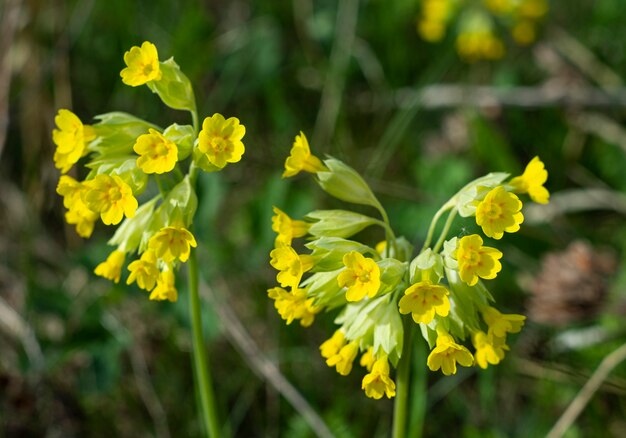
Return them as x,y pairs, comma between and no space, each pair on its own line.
194,121
433,224
201,368
403,383
418,391
390,237
444,232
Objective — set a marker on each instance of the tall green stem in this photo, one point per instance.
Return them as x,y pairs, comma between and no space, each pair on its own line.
403,382
433,224
446,229
201,368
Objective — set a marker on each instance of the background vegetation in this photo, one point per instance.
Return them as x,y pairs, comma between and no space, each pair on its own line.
80,356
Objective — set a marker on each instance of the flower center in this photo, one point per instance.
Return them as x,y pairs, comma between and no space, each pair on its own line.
493,210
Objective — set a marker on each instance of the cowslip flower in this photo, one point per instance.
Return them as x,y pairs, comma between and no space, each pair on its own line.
300,158
532,180
489,349
70,139
293,305
447,354
78,213
422,300
476,260
157,153
111,268
220,140
500,324
171,243
343,360
144,271
111,197
142,65
165,287
499,212
290,264
331,346
378,383
287,228
368,359
361,276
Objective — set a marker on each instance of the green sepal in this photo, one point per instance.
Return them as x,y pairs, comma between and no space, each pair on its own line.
183,136
116,133
325,290
123,166
343,182
129,234
427,264
329,252
339,223
389,332
202,161
174,88
392,272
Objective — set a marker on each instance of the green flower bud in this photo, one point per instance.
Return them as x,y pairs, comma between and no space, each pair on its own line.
174,87
343,182
116,133
183,136
329,251
391,274
339,223
325,290
427,264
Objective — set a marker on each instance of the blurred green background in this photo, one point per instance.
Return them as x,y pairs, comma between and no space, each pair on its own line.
80,356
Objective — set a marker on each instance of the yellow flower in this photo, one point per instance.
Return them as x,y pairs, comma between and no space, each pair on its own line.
447,354
171,243
377,383
524,33
500,324
157,153
489,349
300,158
343,359
70,139
290,264
78,213
220,140
142,65
331,346
368,359
361,276
165,287
431,30
144,270
532,180
111,268
476,260
499,212
287,228
111,197
422,300
477,45
294,305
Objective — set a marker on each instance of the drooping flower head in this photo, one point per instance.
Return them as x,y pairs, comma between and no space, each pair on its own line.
489,349
70,139
111,197
287,228
368,359
171,243
361,276
142,65
422,300
165,287
476,260
78,213
290,264
111,268
447,354
344,359
144,271
500,324
157,153
220,140
532,180
294,305
378,383
300,158
499,212
331,346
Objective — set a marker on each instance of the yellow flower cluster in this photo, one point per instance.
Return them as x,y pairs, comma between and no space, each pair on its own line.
477,24
137,177
374,286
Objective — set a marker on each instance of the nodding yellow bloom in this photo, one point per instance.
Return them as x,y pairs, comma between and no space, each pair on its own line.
142,65
532,180
435,15
361,276
165,287
476,260
111,268
499,212
500,324
78,213
381,247
300,158
287,228
368,359
171,243
144,271
220,140
111,197
344,358
290,264
331,347
447,354
157,153
70,138
293,305
422,300
479,45
489,349
377,383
